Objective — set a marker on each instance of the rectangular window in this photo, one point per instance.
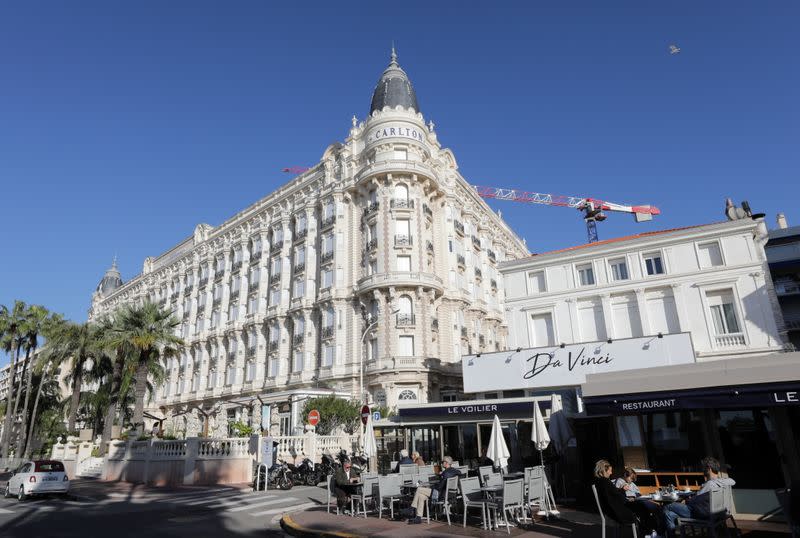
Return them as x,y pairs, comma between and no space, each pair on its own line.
273,367
327,244
536,282
373,267
298,362
275,266
195,382
404,263
300,255
255,276
275,297
542,330
215,319
406,346
299,288
592,322
327,278
251,371
663,313
236,285
653,264
212,379
619,269
402,227
627,321
252,304
327,355
233,312
328,210
710,254
585,274
373,349
231,375
723,312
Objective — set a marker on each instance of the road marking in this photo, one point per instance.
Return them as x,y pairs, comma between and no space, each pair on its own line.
257,504
4,511
207,501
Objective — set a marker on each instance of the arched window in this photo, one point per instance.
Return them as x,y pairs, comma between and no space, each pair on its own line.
406,395
405,314
401,191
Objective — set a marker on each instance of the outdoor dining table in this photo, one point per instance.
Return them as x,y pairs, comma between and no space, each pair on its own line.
513,476
666,499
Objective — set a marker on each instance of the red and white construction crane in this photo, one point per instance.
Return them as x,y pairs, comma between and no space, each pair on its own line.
592,207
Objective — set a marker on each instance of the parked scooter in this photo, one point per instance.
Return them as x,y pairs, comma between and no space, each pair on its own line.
307,473
278,477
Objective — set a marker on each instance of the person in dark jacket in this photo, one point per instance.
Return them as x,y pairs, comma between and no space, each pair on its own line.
612,499
404,460
344,478
437,492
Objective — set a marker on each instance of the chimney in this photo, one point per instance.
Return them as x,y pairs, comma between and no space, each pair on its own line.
781,220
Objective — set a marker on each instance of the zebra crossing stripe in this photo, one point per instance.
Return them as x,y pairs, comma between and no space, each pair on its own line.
4,511
259,504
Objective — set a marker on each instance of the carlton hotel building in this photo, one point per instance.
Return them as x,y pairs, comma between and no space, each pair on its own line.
376,267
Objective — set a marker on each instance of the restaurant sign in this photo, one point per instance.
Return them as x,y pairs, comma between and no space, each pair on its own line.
567,365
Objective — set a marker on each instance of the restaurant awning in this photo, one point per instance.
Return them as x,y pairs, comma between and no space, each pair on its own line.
760,381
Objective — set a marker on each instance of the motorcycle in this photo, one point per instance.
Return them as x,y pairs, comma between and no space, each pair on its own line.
308,473
328,465
279,476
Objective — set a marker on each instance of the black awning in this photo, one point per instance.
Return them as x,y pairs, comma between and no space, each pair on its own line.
755,395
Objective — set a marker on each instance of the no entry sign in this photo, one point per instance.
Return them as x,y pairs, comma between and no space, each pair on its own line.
365,414
313,417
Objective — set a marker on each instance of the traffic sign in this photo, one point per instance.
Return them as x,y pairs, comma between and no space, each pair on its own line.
313,417
376,416
365,414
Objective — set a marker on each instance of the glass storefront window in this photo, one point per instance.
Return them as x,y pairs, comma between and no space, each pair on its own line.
425,440
675,441
748,444
461,443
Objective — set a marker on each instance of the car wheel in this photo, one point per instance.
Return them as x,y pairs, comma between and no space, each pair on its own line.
21,495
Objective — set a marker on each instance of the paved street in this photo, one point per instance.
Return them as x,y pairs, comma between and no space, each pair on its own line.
121,510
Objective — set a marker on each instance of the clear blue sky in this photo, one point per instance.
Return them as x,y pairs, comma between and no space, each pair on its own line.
124,124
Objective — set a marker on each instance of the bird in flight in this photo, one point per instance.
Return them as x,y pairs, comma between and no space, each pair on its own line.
674,49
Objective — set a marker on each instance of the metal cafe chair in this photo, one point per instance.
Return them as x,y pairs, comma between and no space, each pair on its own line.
368,487
513,499
472,497
389,489
331,494
451,492
720,511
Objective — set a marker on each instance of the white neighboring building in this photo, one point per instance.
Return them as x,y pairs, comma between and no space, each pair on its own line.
382,252
711,281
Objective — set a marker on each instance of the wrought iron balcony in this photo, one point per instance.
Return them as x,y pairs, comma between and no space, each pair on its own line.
459,227
255,256
476,242
491,255
371,208
297,339
174,295
427,210
217,301
402,203
276,246
231,356
218,275
402,240
203,282
236,266
327,332
461,261
300,234
273,345
463,332
435,325
299,268
250,353
326,257
274,278
478,273
405,319
429,246
328,221
188,289
372,244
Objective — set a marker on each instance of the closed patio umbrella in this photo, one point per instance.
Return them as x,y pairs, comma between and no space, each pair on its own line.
539,434
560,432
498,450
368,444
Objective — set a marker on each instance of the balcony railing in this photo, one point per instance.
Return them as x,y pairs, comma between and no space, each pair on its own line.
429,246
217,301
174,295
326,257
435,325
461,261
299,268
274,278
402,240
404,319
371,208
276,246
255,256
327,332
730,340
250,353
297,339
463,332
218,275
478,273
236,266
328,221
491,254
402,203
273,345
300,234
231,356
459,227
203,282
372,244
427,210
188,289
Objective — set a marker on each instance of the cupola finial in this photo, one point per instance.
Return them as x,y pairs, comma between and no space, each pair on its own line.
394,55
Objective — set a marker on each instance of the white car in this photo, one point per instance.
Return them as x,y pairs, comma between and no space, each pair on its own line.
39,477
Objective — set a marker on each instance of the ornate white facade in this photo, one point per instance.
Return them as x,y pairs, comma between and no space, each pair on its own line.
382,252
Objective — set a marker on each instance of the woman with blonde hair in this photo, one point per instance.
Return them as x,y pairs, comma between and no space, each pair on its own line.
612,499
417,459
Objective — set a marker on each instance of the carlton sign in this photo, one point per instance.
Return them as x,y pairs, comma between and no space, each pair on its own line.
558,366
396,130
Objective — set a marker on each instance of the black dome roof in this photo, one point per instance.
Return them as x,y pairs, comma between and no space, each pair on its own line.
394,88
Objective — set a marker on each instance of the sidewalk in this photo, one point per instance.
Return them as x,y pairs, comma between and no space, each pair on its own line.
574,524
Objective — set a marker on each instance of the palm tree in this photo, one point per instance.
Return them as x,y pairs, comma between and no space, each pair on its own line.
11,341
148,332
78,346
36,320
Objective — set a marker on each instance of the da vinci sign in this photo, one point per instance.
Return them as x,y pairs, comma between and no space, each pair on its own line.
557,366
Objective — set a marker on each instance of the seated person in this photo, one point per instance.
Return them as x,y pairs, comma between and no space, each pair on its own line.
698,507
404,460
483,461
649,512
418,459
423,493
343,484
612,499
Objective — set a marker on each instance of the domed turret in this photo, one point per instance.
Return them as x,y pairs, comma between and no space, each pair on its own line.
393,89
111,280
